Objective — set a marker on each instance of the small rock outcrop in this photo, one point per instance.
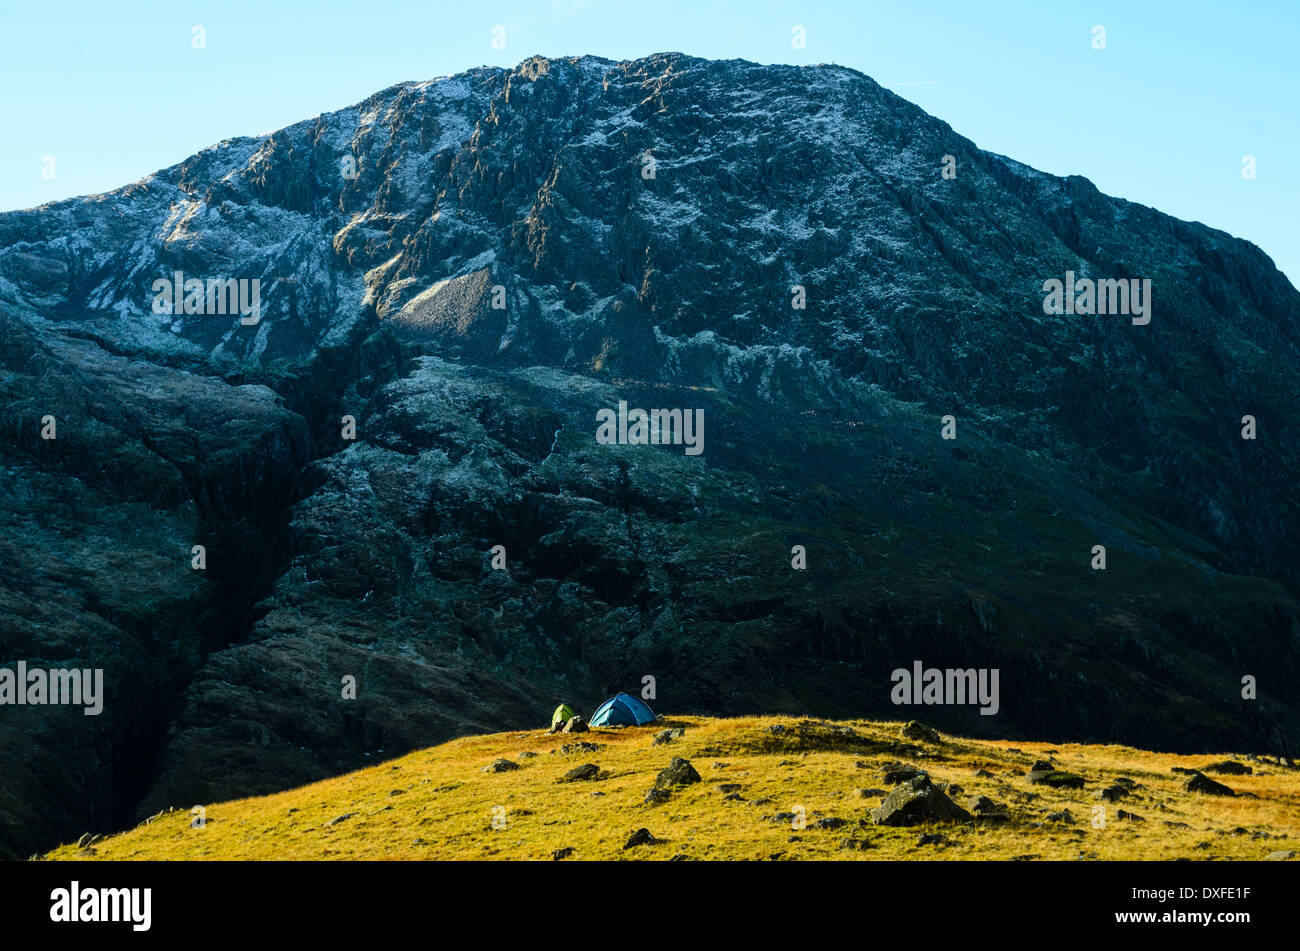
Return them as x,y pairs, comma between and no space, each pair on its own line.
917,800
679,772
576,725
641,836
894,773
916,730
982,807
1200,783
1046,774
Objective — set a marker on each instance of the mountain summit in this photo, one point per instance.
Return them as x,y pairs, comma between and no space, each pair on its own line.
302,437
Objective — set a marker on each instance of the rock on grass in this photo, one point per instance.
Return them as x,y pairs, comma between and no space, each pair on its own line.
677,773
982,807
582,746
641,836
579,773
575,725
1046,774
895,773
1200,783
916,730
917,800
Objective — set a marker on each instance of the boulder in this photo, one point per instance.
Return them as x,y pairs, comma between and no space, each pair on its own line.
982,807
916,730
500,766
1048,775
679,772
1200,783
576,725
894,773
640,837
917,800
579,773
582,746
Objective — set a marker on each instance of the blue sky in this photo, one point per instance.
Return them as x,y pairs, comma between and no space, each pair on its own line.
1162,116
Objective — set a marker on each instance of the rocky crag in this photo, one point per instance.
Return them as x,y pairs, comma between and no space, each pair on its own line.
471,269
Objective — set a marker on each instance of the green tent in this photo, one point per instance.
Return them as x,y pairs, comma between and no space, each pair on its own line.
561,715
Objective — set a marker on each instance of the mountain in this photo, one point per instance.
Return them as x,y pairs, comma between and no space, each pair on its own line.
455,277
753,788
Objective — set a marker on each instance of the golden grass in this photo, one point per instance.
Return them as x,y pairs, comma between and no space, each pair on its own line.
439,804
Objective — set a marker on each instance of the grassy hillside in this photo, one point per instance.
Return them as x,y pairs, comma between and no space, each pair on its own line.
440,803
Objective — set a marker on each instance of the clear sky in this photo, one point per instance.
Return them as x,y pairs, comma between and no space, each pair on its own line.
1163,115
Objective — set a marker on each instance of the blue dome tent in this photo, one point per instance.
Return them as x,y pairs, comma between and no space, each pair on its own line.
622,710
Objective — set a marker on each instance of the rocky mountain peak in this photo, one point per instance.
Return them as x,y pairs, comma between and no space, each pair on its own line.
470,270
